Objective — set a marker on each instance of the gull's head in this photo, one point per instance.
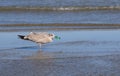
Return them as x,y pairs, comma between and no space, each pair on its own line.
51,35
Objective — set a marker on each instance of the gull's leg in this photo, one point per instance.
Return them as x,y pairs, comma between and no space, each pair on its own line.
40,45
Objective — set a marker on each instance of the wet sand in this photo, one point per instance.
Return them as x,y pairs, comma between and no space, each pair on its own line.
90,52
74,66
55,27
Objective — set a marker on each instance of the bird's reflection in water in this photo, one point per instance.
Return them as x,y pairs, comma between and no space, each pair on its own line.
40,54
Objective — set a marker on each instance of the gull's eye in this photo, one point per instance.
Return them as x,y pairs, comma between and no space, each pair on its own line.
50,34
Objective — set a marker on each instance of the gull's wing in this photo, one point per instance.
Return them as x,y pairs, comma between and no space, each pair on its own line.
37,37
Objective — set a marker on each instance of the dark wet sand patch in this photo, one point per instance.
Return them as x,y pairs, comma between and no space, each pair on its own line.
55,27
79,66
61,24
63,8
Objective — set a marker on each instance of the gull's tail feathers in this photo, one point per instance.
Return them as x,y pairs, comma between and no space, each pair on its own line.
22,37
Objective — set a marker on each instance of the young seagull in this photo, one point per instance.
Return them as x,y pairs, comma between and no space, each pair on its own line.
39,38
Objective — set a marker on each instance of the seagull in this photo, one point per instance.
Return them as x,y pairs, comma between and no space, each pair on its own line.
39,38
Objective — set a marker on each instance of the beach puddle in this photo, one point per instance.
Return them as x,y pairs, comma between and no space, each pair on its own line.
74,43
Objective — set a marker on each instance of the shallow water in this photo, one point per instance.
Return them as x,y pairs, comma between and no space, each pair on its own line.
59,11
72,44
95,17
